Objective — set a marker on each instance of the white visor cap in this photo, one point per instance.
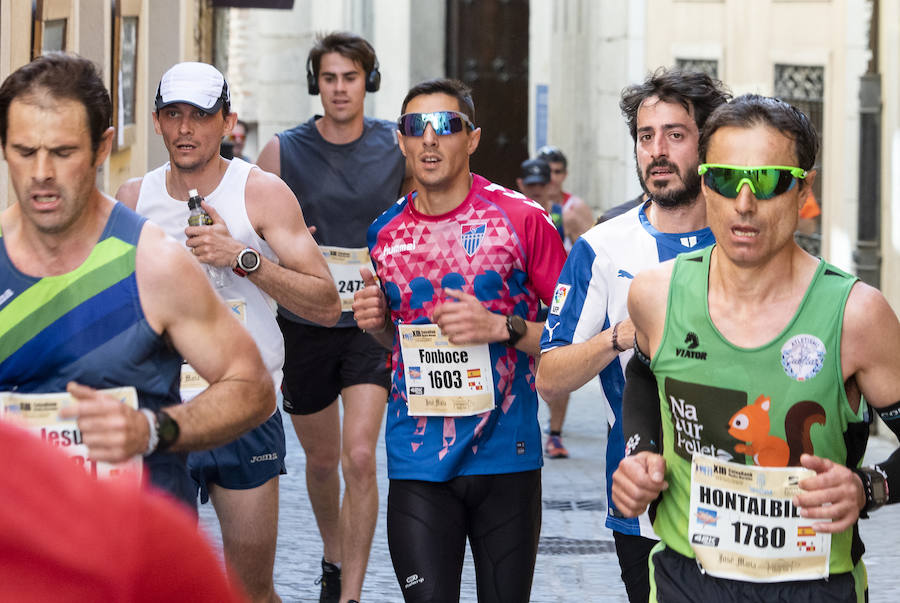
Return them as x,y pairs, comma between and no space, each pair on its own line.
197,84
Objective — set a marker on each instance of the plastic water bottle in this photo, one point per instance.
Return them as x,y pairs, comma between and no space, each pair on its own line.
199,217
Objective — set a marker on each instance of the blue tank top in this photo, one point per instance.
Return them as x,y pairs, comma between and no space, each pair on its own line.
88,326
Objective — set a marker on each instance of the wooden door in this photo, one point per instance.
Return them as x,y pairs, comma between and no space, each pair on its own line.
487,48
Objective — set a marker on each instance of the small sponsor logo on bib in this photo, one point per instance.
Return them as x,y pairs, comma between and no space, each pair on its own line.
802,357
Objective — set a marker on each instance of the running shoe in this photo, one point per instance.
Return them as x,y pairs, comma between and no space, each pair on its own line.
331,583
555,448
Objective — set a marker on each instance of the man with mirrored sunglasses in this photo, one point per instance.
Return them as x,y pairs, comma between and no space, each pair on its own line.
754,355
463,266
588,331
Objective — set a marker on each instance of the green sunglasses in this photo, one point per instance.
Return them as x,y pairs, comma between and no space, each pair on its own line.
765,181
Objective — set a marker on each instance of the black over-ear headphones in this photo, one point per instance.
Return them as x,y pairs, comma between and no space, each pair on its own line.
373,78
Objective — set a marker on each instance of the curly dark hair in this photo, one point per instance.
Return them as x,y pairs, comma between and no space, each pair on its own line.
749,110
65,76
690,89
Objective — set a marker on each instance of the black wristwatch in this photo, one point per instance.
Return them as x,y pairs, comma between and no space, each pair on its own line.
516,327
167,429
247,261
875,488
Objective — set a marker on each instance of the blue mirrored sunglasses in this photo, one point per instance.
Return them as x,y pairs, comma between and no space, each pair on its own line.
443,122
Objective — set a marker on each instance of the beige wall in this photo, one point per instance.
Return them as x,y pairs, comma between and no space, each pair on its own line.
889,58
168,31
831,34
585,52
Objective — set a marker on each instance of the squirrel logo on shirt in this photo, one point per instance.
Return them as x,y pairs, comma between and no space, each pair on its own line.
751,425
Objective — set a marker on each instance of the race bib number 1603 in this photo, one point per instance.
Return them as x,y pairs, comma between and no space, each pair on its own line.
443,379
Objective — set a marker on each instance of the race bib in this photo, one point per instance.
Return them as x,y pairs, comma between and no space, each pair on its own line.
743,526
238,307
443,379
344,265
191,381
39,413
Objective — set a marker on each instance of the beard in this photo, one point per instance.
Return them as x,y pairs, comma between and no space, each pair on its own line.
678,197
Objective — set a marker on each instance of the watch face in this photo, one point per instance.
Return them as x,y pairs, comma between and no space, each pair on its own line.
518,324
879,492
168,429
249,260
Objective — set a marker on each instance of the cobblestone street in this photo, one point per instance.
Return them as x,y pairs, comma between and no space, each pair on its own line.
576,560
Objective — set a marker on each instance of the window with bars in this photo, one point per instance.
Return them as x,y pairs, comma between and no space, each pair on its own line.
708,66
804,87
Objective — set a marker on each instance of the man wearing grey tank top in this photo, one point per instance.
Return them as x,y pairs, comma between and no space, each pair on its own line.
345,170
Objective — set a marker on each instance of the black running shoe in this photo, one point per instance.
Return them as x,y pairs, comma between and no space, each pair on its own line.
331,583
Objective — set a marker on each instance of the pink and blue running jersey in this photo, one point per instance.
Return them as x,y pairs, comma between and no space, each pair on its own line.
591,296
503,249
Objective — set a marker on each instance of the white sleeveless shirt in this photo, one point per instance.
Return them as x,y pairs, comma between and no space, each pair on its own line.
254,308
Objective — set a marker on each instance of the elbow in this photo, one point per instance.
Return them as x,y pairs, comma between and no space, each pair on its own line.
545,385
266,400
333,313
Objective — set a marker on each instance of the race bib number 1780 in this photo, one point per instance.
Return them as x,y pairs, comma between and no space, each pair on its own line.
743,525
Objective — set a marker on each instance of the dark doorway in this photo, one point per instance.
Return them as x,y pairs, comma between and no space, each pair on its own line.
487,48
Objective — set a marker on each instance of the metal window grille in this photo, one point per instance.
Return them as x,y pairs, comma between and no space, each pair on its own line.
708,66
804,87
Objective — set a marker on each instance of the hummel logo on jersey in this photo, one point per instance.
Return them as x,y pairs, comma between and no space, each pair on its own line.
472,235
689,241
397,248
625,274
692,342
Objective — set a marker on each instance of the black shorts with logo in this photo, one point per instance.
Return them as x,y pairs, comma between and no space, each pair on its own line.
675,578
321,361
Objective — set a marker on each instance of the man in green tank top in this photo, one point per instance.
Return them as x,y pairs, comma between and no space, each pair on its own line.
743,411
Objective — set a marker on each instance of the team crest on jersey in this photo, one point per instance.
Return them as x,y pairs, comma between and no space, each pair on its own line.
559,298
802,357
472,235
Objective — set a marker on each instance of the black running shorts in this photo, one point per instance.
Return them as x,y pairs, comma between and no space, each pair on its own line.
319,362
428,523
633,551
675,578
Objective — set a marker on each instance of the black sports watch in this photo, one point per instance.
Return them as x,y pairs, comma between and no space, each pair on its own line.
247,261
875,488
168,430
516,327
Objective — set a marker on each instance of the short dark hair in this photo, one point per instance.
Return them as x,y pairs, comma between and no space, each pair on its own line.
346,44
455,88
690,89
65,76
553,154
749,110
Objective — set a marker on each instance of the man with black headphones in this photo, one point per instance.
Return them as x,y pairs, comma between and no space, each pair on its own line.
345,169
